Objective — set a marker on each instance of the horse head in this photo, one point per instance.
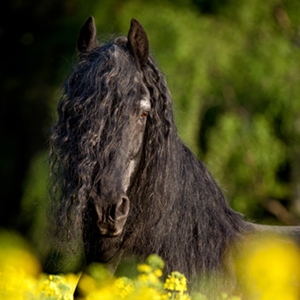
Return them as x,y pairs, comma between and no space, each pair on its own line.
121,124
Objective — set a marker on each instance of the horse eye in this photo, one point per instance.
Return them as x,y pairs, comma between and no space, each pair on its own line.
144,115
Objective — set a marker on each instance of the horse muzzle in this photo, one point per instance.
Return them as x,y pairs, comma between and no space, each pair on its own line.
112,216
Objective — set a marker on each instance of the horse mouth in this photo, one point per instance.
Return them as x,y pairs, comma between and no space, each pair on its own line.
109,231
110,234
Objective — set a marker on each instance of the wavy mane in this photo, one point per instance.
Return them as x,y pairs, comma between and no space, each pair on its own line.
177,209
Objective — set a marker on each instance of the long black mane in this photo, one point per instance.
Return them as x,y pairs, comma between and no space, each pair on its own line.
176,208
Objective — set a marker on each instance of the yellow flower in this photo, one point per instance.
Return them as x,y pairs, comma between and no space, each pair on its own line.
146,293
20,260
158,273
123,287
176,282
144,268
18,267
87,284
269,269
150,278
56,287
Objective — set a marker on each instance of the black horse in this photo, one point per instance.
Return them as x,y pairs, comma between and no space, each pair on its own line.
123,179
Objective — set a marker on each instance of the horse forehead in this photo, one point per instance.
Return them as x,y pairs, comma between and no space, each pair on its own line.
145,103
145,100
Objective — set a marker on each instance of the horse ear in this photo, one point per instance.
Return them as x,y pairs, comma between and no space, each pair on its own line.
138,42
87,39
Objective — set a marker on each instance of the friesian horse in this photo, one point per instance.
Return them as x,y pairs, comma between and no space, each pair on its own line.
124,181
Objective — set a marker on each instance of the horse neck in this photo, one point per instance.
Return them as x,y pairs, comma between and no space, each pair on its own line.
182,189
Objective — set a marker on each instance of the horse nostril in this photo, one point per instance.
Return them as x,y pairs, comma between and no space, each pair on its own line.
122,208
112,216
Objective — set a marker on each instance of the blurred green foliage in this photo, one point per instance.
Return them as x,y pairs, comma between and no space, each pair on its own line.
233,68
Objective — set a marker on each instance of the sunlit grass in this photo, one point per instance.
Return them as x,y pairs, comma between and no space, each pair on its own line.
268,268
